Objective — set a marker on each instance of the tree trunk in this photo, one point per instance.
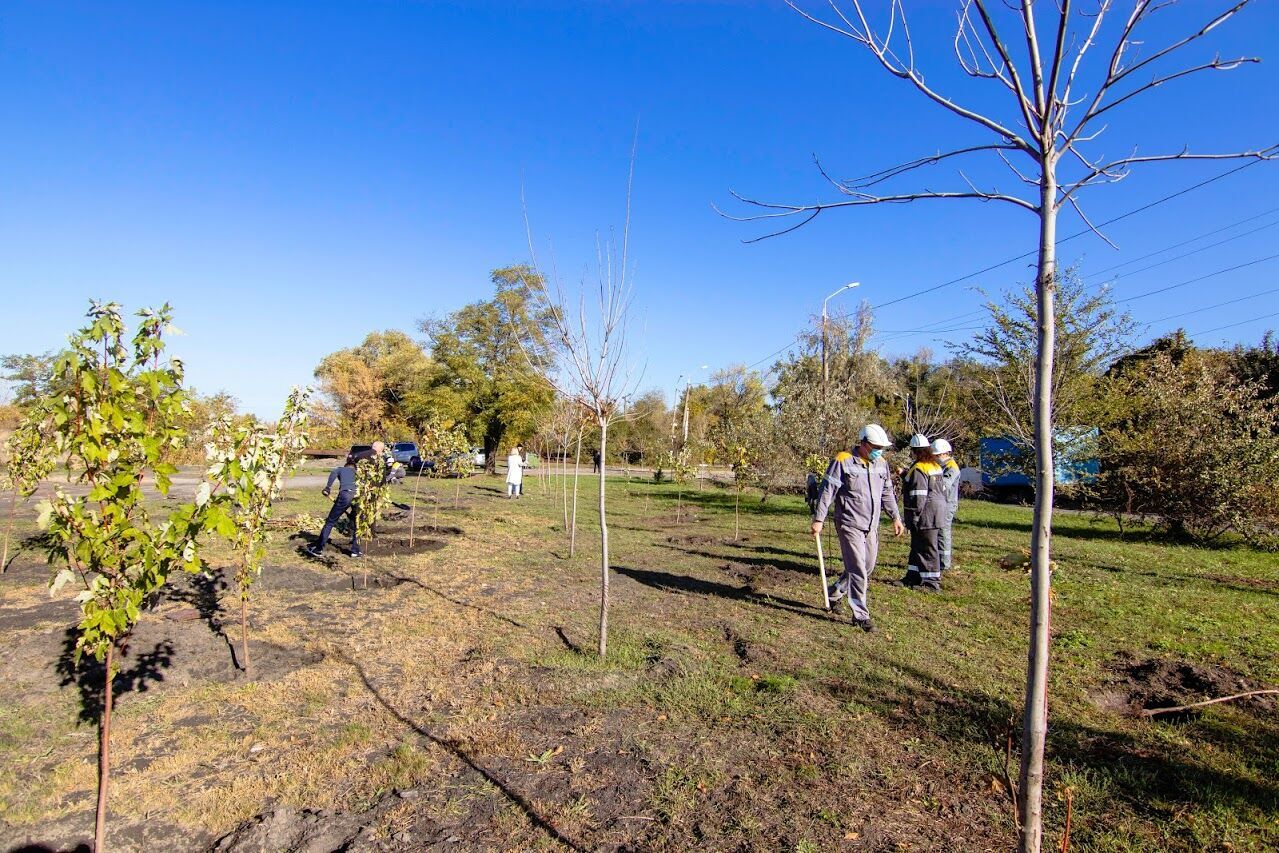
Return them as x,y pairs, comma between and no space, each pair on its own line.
1035,713
564,479
413,510
457,494
104,757
577,468
603,545
737,526
8,530
244,634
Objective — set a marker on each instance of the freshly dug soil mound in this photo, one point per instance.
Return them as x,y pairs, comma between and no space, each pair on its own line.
398,546
1141,685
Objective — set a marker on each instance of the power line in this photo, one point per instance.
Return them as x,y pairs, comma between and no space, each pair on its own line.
1185,254
1240,323
1218,305
1100,225
1194,280
1195,240
1024,255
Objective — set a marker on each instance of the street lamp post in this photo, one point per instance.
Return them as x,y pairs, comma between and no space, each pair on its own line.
825,366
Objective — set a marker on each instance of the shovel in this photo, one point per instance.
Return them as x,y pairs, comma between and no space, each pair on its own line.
821,566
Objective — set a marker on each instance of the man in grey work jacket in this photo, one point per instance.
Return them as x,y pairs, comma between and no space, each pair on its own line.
860,486
950,480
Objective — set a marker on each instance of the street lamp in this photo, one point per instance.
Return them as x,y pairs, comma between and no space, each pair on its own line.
825,369
686,386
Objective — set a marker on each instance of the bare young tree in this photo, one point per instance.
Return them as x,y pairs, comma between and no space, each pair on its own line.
1043,138
594,369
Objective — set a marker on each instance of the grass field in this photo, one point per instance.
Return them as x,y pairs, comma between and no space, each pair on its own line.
458,702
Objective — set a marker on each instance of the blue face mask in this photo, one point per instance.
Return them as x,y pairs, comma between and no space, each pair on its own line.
875,454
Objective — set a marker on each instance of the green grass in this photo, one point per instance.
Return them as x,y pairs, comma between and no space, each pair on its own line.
749,718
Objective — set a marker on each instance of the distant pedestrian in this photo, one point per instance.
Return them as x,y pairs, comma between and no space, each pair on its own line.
343,504
923,493
595,461
859,486
950,478
515,465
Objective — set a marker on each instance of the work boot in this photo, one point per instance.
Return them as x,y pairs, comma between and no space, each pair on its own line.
930,586
910,581
311,551
865,624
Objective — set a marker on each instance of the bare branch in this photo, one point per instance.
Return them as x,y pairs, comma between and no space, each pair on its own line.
862,33
1116,73
1215,65
1093,228
809,212
1036,64
1118,169
874,178
1023,101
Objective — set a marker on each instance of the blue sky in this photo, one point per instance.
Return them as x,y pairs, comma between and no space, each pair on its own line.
292,175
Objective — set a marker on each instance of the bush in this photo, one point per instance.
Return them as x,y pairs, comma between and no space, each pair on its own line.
1193,445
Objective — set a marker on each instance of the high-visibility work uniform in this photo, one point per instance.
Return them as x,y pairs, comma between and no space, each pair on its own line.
950,478
859,490
924,495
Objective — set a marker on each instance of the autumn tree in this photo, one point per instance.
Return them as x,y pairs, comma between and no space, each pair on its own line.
377,387
490,360
1052,104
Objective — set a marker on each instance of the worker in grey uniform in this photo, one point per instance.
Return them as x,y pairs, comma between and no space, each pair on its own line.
924,496
950,479
860,486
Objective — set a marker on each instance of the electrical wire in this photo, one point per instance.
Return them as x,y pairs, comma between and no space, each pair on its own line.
1195,240
1232,325
1100,225
1159,290
1119,218
1217,305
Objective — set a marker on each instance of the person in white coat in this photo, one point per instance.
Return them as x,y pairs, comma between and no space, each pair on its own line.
515,466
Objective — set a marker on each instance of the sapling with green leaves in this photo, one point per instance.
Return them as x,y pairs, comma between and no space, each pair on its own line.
28,461
119,412
680,465
445,453
251,462
372,496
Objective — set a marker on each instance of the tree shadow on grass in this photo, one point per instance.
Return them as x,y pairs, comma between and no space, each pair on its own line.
466,758
685,583
1069,528
724,500
1153,779
808,568
203,596
457,601
136,675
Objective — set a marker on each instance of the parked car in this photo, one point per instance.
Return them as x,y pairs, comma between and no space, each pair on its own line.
406,453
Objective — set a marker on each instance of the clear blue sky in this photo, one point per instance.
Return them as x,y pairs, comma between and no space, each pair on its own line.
292,175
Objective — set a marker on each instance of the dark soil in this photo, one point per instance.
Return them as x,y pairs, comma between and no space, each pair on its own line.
398,546
1140,685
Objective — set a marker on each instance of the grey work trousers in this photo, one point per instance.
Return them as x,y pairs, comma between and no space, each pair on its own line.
924,565
945,540
859,549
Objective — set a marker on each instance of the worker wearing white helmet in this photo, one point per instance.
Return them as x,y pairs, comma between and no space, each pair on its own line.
860,486
923,494
950,478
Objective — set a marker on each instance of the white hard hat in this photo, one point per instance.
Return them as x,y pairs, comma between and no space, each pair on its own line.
874,434
941,445
918,441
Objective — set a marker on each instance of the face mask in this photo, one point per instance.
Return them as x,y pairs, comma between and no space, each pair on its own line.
875,454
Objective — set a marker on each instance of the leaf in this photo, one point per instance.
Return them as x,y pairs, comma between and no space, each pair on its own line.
60,580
